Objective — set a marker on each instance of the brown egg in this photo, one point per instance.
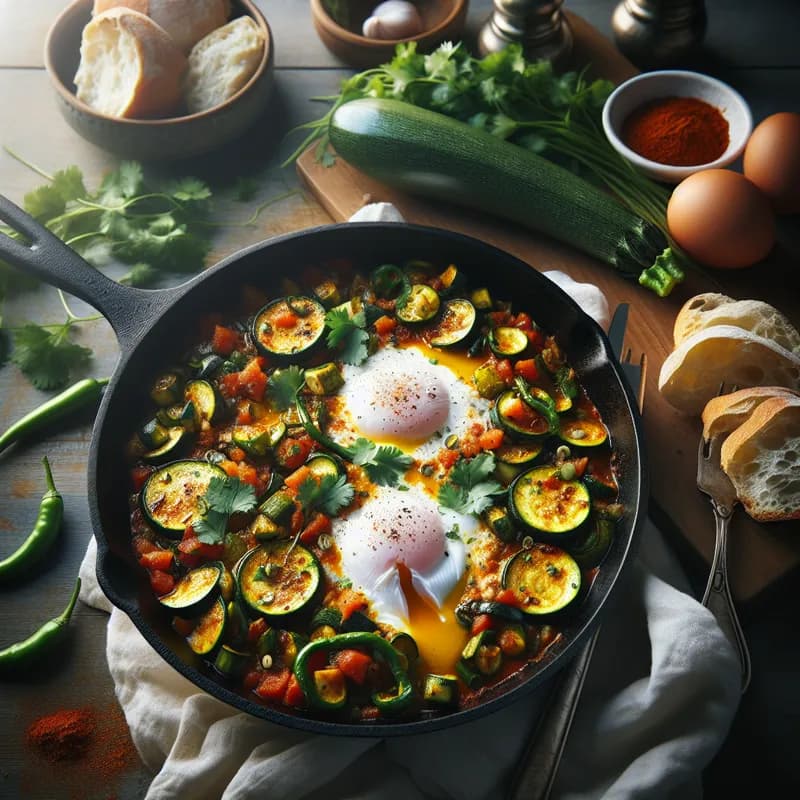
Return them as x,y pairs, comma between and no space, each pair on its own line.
721,219
772,160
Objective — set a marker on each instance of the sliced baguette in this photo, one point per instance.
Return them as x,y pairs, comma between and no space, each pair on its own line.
762,459
727,412
129,67
221,63
692,374
705,310
186,21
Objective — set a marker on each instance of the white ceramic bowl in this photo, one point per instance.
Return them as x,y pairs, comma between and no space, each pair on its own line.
634,92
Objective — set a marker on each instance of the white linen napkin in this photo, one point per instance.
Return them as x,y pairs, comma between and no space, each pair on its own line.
659,698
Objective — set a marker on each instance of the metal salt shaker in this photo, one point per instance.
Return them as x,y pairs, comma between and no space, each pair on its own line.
659,33
538,25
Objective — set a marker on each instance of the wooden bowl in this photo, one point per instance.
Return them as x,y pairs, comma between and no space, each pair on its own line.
166,138
443,20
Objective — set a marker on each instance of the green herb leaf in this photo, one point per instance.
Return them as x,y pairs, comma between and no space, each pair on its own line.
348,334
48,358
283,386
468,489
330,494
384,464
224,496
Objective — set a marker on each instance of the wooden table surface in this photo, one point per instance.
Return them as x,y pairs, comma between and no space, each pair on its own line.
753,46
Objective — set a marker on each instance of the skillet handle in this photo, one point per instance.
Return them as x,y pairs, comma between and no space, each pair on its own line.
130,311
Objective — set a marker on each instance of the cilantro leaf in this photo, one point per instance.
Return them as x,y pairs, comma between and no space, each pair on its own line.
140,274
330,494
349,334
384,464
223,497
47,358
283,386
468,489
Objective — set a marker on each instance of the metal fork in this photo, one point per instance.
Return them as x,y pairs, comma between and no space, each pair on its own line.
539,764
711,480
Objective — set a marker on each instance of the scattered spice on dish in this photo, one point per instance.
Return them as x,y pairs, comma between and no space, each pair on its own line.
680,131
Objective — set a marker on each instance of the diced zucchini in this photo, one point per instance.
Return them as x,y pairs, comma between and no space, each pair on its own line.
209,365
170,496
544,579
279,506
264,528
487,381
422,305
167,389
328,616
176,438
475,642
440,690
512,640
541,500
507,342
331,687
405,644
230,662
488,659
202,395
322,464
278,578
455,324
195,591
593,548
358,621
481,299
153,434
469,675
238,624
466,612
499,521
209,630
290,643
517,418
328,293
324,379
289,326
255,440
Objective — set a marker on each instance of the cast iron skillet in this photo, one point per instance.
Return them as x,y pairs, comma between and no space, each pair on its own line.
146,322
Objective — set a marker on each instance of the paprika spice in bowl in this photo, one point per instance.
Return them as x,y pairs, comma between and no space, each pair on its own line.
673,123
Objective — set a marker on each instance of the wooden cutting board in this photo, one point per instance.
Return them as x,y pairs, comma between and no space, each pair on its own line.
758,553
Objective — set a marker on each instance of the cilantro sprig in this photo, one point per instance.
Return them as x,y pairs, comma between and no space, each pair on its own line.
349,334
224,496
330,494
469,489
283,386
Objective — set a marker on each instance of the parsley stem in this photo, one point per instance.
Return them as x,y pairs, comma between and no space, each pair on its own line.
28,164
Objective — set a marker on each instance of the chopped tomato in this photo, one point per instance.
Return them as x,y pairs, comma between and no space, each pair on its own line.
139,475
273,684
244,416
161,582
535,338
248,474
291,453
229,384
224,340
142,545
498,318
481,623
385,325
286,319
157,559
553,482
523,321
252,679
318,524
295,480
297,521
256,628
183,627
448,457
580,465
231,468
237,454
491,439
526,367
294,695
507,597
316,661
194,552
504,370
354,664
349,602
253,380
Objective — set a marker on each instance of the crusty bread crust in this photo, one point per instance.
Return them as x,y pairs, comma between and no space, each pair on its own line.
762,319
762,459
130,67
186,21
692,374
728,411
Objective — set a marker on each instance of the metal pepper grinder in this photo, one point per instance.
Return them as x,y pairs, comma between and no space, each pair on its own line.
538,25
659,33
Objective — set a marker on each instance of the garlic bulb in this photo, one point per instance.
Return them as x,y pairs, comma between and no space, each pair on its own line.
394,19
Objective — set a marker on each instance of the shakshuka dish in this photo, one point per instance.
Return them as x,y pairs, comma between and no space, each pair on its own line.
371,496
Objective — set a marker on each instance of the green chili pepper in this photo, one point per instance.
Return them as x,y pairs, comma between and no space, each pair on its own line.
546,406
44,533
23,654
76,396
315,433
388,702
664,275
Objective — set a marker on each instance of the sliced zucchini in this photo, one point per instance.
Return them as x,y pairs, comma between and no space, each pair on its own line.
475,642
517,418
258,441
583,432
278,506
210,629
540,499
153,434
512,640
176,438
600,488
518,453
592,550
184,415
499,521
440,690
481,299
322,464
202,395
488,381
209,365
289,326
327,616
422,305
466,612
167,389
406,645
507,342
278,578
544,579
170,495
195,591
358,621
471,677
238,624
488,659
324,379
455,325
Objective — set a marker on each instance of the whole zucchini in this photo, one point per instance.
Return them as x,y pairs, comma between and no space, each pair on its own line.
427,153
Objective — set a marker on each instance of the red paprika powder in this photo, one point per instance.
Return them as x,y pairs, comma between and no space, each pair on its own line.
679,131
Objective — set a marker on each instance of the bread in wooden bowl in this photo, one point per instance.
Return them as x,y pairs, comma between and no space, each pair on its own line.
186,21
692,374
762,459
727,412
222,63
705,310
130,67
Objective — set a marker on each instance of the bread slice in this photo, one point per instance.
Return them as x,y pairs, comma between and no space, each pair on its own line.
186,21
705,310
221,63
762,459
129,66
692,374
727,412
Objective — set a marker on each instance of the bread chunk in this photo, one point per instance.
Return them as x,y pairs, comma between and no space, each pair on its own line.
221,63
727,412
